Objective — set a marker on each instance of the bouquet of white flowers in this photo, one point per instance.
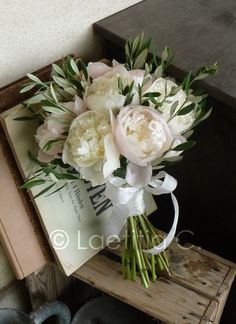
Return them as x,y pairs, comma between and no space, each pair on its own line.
118,125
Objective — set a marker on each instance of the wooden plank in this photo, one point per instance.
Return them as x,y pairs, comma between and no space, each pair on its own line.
164,300
198,272
46,285
213,255
192,30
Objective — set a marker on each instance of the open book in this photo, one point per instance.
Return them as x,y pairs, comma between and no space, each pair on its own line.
74,219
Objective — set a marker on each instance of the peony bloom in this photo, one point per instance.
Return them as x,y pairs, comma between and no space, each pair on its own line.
90,148
104,94
53,129
178,124
97,69
142,134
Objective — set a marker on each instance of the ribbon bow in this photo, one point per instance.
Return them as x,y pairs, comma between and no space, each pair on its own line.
129,201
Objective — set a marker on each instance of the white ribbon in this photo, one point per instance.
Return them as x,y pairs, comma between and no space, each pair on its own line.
128,201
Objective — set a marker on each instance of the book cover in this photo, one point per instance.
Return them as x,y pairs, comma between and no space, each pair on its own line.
74,219
19,230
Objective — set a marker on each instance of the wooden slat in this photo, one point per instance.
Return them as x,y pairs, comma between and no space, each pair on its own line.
216,257
197,271
164,300
46,285
193,270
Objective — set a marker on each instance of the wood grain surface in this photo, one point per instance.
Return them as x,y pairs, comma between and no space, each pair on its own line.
195,292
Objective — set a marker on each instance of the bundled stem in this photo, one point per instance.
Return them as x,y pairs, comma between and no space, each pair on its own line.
141,235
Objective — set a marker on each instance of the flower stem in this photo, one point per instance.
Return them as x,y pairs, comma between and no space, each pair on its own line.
141,235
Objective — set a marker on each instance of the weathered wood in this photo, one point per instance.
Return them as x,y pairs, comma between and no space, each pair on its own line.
192,269
46,285
165,300
195,293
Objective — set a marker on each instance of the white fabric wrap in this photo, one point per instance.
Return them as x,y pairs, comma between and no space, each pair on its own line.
129,201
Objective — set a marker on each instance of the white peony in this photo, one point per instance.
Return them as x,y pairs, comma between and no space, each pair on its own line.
104,95
142,134
179,124
90,148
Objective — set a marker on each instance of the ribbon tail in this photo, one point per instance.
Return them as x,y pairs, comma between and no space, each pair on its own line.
169,238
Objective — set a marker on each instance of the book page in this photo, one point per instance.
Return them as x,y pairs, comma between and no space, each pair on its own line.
74,218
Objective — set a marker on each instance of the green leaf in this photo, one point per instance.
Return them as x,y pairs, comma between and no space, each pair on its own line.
61,82
44,190
49,144
120,84
187,81
165,54
51,107
35,99
53,92
153,94
32,183
186,110
25,118
82,67
184,146
35,79
74,66
27,87
188,134
158,72
58,70
173,107
171,160
140,60
201,76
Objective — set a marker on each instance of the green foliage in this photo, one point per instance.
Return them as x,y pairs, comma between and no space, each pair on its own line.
52,173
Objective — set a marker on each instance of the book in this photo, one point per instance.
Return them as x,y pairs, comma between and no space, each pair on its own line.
18,224
74,218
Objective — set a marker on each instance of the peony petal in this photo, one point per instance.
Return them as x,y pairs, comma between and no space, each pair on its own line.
90,174
112,156
97,69
103,104
137,76
69,105
79,106
115,63
137,150
138,176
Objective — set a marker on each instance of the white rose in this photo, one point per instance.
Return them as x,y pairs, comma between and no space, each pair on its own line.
142,134
103,94
179,124
90,148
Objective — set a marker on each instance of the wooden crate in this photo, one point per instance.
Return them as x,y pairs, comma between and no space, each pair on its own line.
196,292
